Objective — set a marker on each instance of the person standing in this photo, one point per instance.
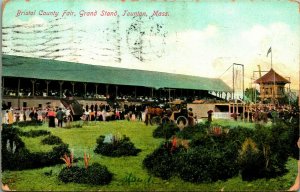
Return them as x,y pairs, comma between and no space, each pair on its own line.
209,116
10,117
96,111
60,117
92,108
87,107
51,115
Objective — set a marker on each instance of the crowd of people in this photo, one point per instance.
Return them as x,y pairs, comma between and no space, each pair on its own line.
265,113
55,116
104,112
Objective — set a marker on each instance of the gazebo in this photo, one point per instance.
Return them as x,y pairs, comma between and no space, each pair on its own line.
272,85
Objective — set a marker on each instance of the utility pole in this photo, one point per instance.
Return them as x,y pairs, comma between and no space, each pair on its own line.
243,76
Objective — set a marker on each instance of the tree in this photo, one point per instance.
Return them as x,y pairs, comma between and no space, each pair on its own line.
251,94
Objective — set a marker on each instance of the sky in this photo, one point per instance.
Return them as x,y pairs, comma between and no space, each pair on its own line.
201,38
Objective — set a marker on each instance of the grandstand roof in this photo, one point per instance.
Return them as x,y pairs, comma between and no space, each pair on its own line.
28,67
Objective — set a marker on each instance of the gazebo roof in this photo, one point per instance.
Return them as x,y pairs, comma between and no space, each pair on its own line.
272,77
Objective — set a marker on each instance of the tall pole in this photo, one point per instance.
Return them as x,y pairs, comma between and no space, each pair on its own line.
271,59
243,86
243,83
273,80
233,81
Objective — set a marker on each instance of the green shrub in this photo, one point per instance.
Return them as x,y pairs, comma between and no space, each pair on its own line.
34,133
274,142
166,130
11,142
251,161
28,123
15,156
72,174
294,136
162,162
98,175
203,164
95,174
116,147
190,131
51,140
239,134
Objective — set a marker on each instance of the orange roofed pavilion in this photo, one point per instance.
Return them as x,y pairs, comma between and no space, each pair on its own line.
271,85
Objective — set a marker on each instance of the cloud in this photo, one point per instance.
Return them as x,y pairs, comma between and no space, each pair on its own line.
35,20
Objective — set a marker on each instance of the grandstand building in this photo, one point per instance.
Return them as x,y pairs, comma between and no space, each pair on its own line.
34,82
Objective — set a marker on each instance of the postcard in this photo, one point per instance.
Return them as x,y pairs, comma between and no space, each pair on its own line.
192,95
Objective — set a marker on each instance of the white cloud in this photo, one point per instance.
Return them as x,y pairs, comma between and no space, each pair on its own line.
35,20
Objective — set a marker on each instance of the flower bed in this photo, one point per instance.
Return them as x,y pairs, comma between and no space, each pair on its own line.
94,174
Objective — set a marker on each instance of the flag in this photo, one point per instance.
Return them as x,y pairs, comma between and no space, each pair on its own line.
269,51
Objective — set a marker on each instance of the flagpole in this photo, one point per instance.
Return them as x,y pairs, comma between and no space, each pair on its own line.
271,59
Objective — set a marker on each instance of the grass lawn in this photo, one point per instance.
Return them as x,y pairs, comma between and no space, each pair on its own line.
128,171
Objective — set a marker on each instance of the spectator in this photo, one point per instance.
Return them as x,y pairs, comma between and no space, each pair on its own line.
209,116
33,115
60,117
51,115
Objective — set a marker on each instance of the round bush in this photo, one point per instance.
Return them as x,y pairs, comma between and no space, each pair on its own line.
116,147
207,165
190,131
71,174
51,140
162,162
165,131
252,164
95,174
98,175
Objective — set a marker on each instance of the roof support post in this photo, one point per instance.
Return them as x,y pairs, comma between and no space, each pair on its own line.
47,87
18,92
60,88
174,97
106,92
152,92
96,87
117,91
85,84
73,87
2,86
135,91
33,82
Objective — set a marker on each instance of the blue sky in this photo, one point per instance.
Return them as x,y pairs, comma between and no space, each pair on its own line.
198,38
